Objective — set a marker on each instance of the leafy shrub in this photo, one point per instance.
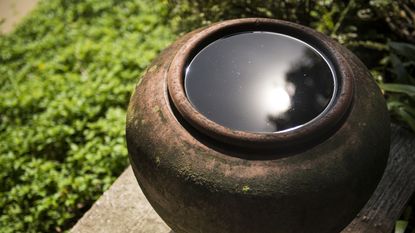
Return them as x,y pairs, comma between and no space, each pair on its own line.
66,74
401,95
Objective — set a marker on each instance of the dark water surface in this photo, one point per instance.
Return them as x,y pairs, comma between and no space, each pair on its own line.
259,82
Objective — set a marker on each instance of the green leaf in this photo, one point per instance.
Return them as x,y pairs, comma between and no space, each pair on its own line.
400,226
407,118
394,104
409,109
403,49
399,69
399,88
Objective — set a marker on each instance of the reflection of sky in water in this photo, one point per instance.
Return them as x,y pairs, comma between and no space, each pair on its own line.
259,82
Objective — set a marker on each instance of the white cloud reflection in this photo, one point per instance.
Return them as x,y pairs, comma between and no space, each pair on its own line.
274,99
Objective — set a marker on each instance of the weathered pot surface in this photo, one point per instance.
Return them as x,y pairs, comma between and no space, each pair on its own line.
208,166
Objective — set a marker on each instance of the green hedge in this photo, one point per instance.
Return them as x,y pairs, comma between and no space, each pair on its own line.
66,75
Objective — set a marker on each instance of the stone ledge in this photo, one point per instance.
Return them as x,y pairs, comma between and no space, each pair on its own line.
123,208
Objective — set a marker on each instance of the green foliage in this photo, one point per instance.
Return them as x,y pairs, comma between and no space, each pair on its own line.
401,226
399,15
66,75
401,94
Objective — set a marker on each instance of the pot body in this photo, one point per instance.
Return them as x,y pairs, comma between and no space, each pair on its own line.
197,185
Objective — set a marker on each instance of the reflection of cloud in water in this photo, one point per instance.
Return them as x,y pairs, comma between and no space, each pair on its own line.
275,100
258,82
312,78
275,96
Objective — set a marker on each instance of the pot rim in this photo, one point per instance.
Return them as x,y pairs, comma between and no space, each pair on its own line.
315,129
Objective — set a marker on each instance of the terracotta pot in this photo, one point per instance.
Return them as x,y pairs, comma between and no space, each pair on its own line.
202,176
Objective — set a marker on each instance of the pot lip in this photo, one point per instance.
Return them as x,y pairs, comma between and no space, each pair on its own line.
321,125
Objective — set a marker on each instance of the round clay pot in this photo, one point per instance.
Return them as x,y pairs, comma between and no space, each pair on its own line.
203,176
